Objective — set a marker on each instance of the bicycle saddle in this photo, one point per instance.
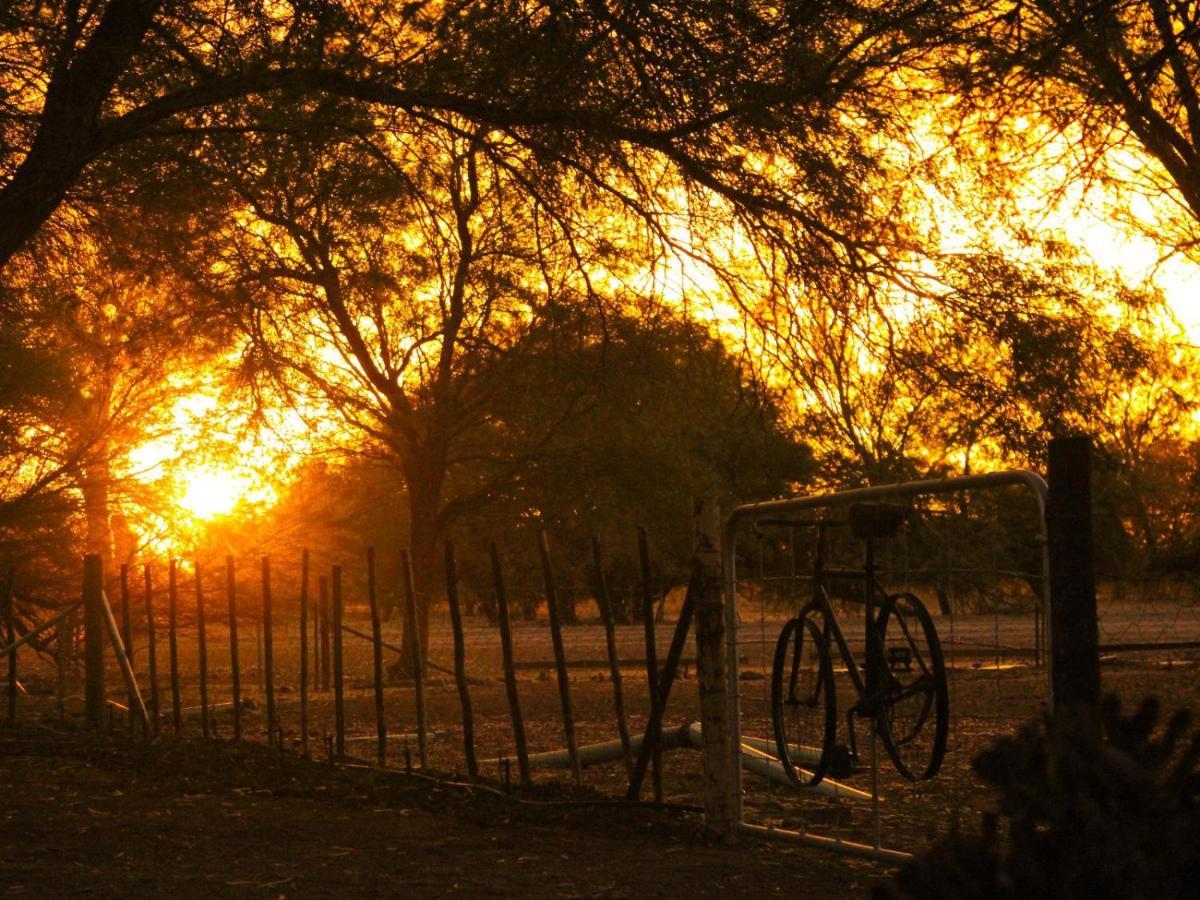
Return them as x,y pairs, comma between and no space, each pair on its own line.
875,520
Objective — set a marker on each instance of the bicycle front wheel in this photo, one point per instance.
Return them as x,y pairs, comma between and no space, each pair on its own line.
803,701
914,700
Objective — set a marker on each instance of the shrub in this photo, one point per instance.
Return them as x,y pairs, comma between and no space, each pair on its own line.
1095,813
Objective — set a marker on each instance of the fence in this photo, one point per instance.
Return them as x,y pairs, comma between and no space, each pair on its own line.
303,656
974,550
258,650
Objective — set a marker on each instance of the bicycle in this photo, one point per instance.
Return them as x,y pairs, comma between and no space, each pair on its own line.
901,687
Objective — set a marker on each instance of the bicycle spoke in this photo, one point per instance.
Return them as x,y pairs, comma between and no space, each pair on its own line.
802,700
913,707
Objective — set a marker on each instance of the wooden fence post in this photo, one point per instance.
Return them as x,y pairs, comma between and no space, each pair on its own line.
127,634
151,649
377,662
560,658
114,635
1074,631
720,756
235,669
651,655
11,617
460,662
202,650
173,644
604,601
323,611
93,639
268,651
510,674
304,653
417,656
652,738
339,708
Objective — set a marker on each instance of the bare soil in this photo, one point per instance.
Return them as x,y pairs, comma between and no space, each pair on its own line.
111,816
108,818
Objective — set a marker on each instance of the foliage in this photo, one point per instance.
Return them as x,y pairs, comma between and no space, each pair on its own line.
616,95
665,414
451,240
1103,93
1089,813
989,358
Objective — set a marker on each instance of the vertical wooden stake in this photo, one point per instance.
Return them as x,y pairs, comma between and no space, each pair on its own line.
202,649
235,669
304,653
93,639
127,635
651,654
173,645
114,635
11,617
262,684
323,591
614,662
560,658
460,663
510,675
418,658
652,739
151,648
722,763
339,709
268,650
61,642
1074,630
315,670
377,656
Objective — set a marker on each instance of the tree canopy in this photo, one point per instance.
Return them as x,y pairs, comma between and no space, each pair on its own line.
465,251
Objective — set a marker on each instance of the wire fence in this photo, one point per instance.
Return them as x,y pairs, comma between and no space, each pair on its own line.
975,560
193,635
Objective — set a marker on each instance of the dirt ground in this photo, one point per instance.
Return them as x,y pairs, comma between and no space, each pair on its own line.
108,818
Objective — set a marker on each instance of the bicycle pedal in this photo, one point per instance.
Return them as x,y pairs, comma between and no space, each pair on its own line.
841,762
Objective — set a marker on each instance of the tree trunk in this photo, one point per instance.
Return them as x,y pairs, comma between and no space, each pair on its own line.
94,483
69,122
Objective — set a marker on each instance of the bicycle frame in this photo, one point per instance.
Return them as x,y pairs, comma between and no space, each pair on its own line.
749,513
867,679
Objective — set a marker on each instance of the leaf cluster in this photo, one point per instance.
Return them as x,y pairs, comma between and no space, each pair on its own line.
1108,812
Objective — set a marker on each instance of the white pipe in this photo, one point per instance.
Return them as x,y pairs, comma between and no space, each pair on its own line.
608,751
809,755
767,766
754,760
850,848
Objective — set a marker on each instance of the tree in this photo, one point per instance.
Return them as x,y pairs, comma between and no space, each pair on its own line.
667,414
98,350
761,107
984,358
1105,90
399,278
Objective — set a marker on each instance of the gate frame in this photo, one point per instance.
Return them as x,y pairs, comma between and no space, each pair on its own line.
751,511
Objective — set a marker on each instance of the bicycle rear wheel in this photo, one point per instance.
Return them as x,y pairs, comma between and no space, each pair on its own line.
914,701
803,701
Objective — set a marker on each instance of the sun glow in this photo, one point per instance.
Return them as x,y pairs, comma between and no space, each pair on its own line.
212,463
212,493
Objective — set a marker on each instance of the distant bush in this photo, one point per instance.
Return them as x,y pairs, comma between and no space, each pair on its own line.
1089,815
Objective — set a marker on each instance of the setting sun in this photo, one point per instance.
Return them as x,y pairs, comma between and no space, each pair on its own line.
210,494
